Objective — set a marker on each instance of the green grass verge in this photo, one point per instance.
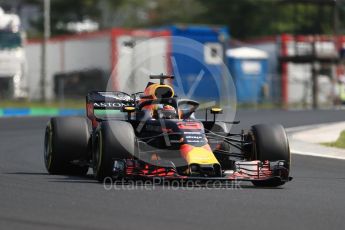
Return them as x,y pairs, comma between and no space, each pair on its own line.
339,143
258,106
44,111
70,104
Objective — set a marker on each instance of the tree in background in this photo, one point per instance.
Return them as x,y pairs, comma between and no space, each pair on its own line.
245,18
108,13
252,18
63,11
149,13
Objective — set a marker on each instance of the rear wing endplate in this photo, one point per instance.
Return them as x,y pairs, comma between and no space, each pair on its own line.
107,100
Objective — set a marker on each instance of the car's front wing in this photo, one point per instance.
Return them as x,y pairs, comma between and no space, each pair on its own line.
244,171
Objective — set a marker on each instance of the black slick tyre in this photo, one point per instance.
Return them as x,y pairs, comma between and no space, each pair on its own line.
114,141
66,140
271,143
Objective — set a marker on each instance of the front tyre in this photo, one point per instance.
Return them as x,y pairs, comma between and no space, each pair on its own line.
270,143
114,141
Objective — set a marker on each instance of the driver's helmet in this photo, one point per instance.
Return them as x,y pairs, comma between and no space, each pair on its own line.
164,112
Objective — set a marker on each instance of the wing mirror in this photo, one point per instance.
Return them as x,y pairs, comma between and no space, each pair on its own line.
216,110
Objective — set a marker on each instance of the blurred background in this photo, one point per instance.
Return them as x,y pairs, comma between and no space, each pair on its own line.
281,53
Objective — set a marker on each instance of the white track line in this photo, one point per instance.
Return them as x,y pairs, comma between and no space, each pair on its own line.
326,155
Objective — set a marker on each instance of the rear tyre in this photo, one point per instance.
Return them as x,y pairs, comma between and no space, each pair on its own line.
271,143
66,140
115,141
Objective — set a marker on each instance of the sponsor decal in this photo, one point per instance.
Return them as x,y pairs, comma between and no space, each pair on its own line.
192,133
108,105
196,138
154,128
116,95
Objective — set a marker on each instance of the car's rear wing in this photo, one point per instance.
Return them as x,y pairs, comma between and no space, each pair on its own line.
107,100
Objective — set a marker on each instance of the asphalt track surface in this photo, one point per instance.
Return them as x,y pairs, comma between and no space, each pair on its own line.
32,199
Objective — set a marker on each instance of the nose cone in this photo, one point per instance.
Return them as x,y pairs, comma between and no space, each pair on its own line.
198,155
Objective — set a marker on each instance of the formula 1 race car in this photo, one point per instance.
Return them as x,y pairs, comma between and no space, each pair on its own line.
154,134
